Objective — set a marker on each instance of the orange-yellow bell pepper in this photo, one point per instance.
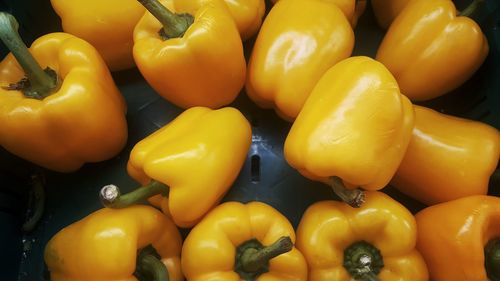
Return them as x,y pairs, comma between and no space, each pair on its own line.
424,40
107,25
195,59
352,9
460,239
354,127
447,158
190,163
103,246
375,242
64,116
295,46
247,14
387,10
238,241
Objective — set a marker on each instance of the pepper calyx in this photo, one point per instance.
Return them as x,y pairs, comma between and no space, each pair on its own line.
363,261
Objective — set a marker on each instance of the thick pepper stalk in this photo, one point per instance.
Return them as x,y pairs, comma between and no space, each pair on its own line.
191,59
187,166
64,116
238,241
247,14
294,48
422,42
107,25
447,158
353,129
116,245
460,239
374,242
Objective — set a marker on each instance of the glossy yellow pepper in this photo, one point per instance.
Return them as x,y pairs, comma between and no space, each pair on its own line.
104,246
107,25
247,14
195,59
354,127
192,162
387,10
352,9
295,46
447,158
64,116
375,242
460,239
424,40
238,241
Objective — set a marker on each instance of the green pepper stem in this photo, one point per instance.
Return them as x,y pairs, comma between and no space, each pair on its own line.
40,82
363,261
150,264
37,201
111,197
492,259
354,197
253,259
471,9
174,25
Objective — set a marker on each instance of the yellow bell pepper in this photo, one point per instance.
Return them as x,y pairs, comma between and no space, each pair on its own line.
195,59
107,25
375,242
295,46
247,14
64,116
387,10
447,158
352,9
238,241
424,40
460,239
353,129
189,164
104,246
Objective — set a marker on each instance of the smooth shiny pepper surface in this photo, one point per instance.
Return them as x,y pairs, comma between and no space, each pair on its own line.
107,25
198,155
424,41
328,228
210,248
452,237
204,67
447,158
355,125
298,42
82,121
103,246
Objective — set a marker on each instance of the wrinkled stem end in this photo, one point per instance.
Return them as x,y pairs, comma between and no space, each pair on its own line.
492,259
38,83
149,265
363,261
471,9
354,197
174,25
252,258
111,197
